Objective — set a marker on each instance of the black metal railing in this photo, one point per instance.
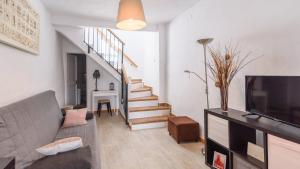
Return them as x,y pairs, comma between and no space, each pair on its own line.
110,47
106,45
125,97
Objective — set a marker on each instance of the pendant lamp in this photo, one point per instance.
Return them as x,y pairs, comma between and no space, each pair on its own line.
131,15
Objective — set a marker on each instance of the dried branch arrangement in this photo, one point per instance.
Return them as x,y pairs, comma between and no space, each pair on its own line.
224,67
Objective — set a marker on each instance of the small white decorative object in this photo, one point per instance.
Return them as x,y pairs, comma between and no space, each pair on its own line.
256,151
19,25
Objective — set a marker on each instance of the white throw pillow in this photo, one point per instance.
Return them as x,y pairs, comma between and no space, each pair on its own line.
59,146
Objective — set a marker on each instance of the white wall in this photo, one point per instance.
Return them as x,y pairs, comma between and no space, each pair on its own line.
163,54
91,65
103,82
143,48
23,74
269,28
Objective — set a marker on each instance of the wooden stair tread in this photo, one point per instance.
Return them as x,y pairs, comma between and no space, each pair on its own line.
148,108
146,120
136,80
145,88
148,98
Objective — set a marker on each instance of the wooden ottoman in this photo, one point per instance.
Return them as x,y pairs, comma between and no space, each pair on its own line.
183,128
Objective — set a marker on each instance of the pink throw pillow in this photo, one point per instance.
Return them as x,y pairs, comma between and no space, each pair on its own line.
75,117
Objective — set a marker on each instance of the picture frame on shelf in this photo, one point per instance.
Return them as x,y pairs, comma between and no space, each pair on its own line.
219,161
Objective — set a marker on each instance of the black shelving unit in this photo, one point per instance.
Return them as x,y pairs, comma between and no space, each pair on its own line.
213,146
239,136
242,130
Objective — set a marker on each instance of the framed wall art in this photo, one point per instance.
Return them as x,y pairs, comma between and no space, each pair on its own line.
19,25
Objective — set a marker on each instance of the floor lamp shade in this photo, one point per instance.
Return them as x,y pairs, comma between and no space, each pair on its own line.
131,15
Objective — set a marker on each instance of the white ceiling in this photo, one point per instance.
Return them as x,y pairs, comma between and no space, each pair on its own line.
157,11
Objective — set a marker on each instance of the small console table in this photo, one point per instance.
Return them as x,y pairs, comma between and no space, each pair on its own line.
229,133
106,93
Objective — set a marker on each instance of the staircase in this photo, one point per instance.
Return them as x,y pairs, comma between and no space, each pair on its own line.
145,111
140,107
106,45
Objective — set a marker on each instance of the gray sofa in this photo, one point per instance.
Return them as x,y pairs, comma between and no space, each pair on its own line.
36,121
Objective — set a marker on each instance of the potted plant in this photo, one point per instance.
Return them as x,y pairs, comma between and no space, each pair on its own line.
224,67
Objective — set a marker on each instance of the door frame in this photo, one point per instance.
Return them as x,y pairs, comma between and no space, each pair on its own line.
77,101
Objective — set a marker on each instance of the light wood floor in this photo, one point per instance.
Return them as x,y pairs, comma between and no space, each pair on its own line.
146,149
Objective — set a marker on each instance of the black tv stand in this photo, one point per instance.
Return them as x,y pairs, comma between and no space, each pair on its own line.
229,134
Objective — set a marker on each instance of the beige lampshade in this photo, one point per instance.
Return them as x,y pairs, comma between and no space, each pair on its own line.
131,15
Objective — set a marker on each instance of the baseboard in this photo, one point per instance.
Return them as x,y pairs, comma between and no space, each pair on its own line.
106,111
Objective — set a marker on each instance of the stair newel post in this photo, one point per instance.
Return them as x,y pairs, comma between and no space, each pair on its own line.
122,88
126,103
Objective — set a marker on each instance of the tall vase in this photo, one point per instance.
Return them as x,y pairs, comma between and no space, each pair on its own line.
224,98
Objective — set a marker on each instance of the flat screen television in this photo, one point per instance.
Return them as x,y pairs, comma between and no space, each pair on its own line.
275,97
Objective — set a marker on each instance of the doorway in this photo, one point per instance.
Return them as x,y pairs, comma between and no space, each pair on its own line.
76,80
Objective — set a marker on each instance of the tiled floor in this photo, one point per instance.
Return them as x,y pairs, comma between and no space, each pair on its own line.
145,149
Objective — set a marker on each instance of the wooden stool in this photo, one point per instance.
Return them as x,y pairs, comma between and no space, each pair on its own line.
183,129
100,103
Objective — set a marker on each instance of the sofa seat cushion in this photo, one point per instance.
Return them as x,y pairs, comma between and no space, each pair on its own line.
89,136
75,159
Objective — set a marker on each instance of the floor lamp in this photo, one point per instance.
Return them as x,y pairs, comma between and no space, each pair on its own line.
203,42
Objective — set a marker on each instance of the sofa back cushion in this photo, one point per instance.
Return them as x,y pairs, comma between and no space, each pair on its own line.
27,125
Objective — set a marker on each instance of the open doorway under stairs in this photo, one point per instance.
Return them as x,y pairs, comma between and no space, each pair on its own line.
76,80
